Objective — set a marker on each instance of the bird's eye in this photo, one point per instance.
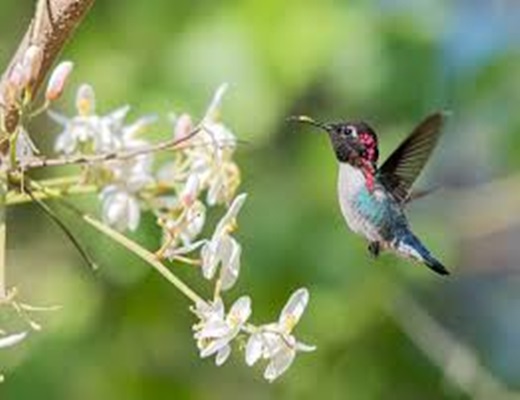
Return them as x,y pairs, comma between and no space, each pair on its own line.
350,131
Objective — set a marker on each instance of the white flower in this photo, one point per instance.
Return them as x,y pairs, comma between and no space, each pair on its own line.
212,160
183,230
25,147
216,330
88,132
120,209
121,180
222,249
275,341
209,154
13,339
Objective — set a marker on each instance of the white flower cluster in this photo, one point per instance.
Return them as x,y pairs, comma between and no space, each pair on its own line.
128,184
120,180
201,174
216,330
204,164
273,342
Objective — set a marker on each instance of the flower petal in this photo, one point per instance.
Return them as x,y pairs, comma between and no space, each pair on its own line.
306,348
254,348
85,100
138,126
223,355
280,362
121,210
191,189
213,329
115,119
231,267
240,311
215,102
293,309
214,346
231,213
210,259
11,340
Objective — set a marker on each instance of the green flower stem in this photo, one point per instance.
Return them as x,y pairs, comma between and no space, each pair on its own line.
3,233
149,257
62,181
15,197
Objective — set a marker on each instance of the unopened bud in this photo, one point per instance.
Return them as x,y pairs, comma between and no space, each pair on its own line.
86,100
58,80
32,61
16,78
183,127
191,190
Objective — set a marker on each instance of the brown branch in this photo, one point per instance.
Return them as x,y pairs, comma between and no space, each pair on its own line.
119,155
53,24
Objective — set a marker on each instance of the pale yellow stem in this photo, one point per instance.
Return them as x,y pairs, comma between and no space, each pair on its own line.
19,198
3,283
146,255
3,235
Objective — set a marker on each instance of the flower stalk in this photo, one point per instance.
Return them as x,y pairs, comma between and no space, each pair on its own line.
3,235
146,255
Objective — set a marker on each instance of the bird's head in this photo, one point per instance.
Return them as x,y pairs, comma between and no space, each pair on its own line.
353,142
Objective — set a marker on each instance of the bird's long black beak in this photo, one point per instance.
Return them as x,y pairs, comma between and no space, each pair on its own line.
304,119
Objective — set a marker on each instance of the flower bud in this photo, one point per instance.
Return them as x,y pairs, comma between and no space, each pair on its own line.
85,100
58,80
16,78
183,127
191,190
31,62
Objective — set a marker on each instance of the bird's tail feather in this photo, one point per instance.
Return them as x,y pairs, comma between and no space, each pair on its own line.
411,246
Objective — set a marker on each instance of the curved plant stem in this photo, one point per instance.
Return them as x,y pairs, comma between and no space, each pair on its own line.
3,232
146,255
19,198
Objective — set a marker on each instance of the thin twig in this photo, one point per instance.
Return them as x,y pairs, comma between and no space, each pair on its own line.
119,155
3,233
58,221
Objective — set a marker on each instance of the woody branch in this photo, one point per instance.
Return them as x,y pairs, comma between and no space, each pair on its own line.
53,23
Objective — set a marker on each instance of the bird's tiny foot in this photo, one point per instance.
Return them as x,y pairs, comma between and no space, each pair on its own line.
374,248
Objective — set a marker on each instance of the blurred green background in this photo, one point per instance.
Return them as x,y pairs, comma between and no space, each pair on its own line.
385,329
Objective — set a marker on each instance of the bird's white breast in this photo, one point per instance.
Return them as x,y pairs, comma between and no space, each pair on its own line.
350,182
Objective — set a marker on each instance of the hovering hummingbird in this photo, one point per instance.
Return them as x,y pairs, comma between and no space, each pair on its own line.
372,198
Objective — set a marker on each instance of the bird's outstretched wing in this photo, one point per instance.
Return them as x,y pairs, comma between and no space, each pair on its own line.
401,169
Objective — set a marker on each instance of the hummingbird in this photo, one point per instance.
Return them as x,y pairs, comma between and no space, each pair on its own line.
372,198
